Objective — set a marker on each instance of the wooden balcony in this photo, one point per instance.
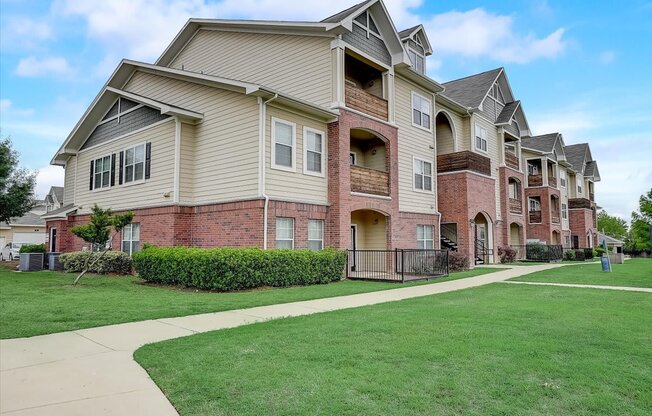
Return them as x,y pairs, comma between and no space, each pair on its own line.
511,160
361,100
515,206
552,181
535,217
369,181
579,203
535,180
465,160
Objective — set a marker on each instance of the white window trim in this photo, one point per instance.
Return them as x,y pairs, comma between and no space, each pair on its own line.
294,145
432,176
419,126
477,128
122,240
276,231
104,188
564,211
368,27
426,239
124,165
531,199
355,158
423,57
321,240
120,113
307,130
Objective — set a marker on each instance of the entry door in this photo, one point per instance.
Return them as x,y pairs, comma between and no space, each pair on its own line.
481,234
53,240
576,242
354,245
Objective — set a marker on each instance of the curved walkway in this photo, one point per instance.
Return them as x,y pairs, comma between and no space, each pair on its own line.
92,371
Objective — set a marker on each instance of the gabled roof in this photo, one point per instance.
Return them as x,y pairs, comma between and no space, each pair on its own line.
505,116
592,170
576,154
26,220
126,68
406,33
471,91
610,240
544,143
57,191
351,11
409,33
60,212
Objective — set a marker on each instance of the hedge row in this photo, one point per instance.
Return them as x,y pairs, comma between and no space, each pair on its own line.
32,248
112,262
226,269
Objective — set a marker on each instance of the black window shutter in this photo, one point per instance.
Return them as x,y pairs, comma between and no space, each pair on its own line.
148,159
90,187
122,163
113,169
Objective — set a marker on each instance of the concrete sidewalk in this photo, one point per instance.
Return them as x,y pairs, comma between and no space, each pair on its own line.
92,371
624,288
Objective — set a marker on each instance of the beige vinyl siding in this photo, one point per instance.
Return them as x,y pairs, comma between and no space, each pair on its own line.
69,181
371,230
579,179
296,65
565,225
460,126
130,196
296,185
187,164
413,142
225,159
492,153
373,157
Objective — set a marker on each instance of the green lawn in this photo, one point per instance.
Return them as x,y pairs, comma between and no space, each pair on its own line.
45,302
494,350
635,273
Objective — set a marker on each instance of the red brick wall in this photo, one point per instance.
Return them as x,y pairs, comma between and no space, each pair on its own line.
581,222
503,229
461,197
543,231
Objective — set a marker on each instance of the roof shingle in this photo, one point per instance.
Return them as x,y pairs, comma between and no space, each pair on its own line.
471,91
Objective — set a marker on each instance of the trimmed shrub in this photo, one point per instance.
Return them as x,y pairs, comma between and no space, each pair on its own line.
32,248
112,262
588,253
506,254
457,262
579,255
227,269
569,255
599,251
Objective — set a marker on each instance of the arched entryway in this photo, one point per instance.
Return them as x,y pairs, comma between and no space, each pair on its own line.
556,238
445,131
483,236
516,239
368,232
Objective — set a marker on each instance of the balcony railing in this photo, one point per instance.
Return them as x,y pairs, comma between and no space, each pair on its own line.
511,160
396,265
515,206
465,160
535,180
361,100
369,181
535,217
579,203
552,181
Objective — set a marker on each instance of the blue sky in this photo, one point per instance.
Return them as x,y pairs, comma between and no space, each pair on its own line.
580,68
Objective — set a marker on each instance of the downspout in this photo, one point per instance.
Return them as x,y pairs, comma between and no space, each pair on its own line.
262,123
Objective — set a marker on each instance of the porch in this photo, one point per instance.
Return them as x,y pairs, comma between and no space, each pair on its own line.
397,265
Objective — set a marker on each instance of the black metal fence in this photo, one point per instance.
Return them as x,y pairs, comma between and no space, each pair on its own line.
396,265
539,252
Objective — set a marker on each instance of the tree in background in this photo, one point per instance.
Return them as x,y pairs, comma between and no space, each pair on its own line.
611,225
16,184
98,233
639,230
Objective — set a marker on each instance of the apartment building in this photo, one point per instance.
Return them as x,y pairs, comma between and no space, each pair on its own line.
279,134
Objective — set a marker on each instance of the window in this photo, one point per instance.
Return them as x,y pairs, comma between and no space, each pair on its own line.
425,237
562,178
535,204
418,61
131,238
420,111
422,175
134,164
480,138
532,169
315,234
564,211
283,145
366,22
314,152
567,241
102,172
579,189
284,232
515,190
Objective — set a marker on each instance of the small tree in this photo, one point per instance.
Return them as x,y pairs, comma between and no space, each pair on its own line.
16,184
99,233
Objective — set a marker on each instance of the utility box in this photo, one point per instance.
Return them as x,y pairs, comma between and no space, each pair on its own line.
54,264
31,262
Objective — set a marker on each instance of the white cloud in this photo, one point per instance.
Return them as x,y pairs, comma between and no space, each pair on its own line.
20,33
480,34
48,176
7,109
35,67
607,57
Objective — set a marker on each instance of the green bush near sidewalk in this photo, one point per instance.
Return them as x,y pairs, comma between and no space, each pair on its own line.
111,262
227,269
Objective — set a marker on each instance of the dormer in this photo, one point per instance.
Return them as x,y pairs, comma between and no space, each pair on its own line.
417,46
